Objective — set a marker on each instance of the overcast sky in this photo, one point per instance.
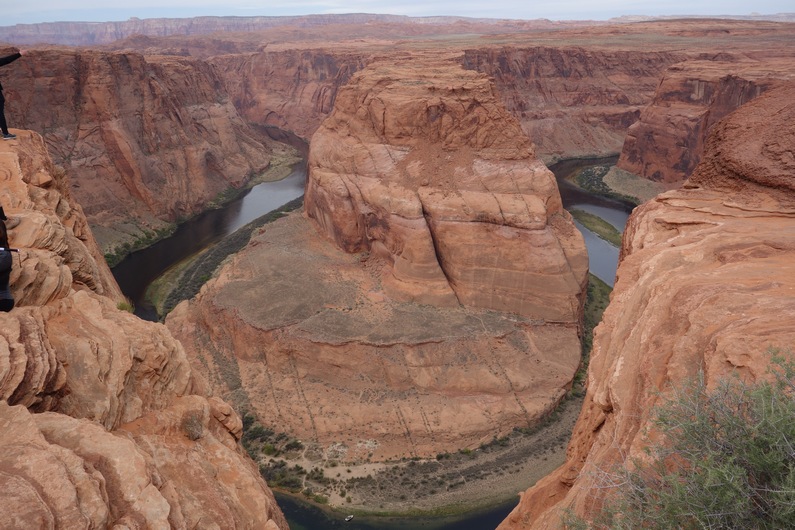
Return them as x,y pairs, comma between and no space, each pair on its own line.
30,11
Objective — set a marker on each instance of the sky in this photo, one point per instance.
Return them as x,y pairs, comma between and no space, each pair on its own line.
32,11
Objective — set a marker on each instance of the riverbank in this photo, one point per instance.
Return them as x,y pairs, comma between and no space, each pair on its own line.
449,485
184,279
124,239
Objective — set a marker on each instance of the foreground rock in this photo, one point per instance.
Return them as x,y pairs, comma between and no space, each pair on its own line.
374,334
102,422
706,282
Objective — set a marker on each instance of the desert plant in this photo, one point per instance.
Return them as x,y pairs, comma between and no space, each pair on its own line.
727,461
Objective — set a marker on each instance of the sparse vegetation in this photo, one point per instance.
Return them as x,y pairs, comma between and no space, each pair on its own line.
126,305
727,461
591,179
598,226
201,268
192,426
147,238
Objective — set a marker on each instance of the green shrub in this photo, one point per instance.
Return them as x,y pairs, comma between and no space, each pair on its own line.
727,461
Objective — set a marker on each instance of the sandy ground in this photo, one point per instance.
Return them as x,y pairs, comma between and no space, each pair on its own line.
451,483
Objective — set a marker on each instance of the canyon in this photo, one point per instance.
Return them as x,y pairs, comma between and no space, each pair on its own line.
706,284
153,129
101,412
400,315
388,332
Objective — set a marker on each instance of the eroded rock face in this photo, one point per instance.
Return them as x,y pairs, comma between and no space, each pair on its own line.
420,165
369,327
706,282
666,143
145,140
292,88
573,101
100,411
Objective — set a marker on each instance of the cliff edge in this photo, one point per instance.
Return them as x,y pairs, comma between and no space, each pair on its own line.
102,422
706,283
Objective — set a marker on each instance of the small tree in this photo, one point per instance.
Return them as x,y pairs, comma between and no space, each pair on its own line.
727,461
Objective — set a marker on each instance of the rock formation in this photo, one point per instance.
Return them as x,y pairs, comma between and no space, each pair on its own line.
428,172
667,142
435,304
291,88
706,282
146,140
573,102
101,415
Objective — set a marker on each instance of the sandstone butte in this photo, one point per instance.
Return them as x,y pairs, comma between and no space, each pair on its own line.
102,422
429,300
706,282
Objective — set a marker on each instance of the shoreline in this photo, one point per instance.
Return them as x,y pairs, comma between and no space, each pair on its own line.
395,490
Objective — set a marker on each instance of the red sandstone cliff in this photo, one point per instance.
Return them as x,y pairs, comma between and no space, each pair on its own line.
293,89
706,282
145,140
368,338
667,142
102,422
573,101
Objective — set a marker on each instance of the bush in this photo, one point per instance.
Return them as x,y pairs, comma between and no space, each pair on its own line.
728,461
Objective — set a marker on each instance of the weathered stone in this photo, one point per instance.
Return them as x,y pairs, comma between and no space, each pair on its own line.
706,283
100,411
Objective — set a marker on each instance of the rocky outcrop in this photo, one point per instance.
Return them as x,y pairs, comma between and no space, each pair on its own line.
666,143
373,334
146,140
420,165
101,415
705,283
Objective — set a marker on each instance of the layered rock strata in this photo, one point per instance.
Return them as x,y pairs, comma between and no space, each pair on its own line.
102,422
429,172
666,143
371,329
706,283
573,101
146,140
291,88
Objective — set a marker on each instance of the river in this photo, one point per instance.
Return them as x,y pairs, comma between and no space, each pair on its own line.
602,256
139,269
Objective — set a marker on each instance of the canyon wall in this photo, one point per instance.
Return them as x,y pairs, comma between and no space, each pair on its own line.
666,143
706,283
146,140
292,88
430,298
573,101
102,422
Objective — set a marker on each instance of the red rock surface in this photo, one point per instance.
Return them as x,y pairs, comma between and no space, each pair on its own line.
706,282
357,340
420,165
145,140
101,414
667,142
